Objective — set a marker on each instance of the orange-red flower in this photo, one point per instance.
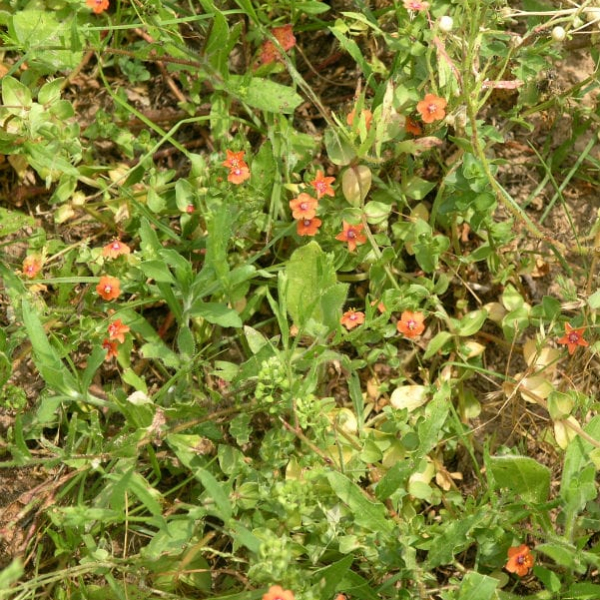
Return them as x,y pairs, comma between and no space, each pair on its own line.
411,324
322,185
238,169
411,126
308,226
352,318
520,560
238,175
111,349
572,338
276,592
32,265
117,331
98,6
115,248
352,234
108,288
415,5
234,159
285,36
431,108
304,206
366,113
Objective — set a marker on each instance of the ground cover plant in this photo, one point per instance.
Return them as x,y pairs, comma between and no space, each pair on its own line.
298,300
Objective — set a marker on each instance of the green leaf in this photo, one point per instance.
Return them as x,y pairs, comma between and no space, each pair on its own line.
12,221
330,577
311,7
455,538
8,576
583,591
217,43
417,188
563,556
46,359
352,48
437,343
50,92
522,475
45,39
577,456
367,514
15,95
476,586
269,96
215,313
339,150
471,323
214,489
157,270
312,291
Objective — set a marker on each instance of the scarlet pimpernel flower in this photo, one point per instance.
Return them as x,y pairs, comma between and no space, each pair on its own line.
97,6
238,169
238,175
572,338
234,159
415,5
304,206
352,318
108,288
115,248
352,234
111,348
308,227
432,108
322,185
276,592
411,324
32,265
520,560
117,330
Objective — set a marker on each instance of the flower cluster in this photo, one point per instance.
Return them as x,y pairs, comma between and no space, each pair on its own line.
116,336
411,324
304,206
238,169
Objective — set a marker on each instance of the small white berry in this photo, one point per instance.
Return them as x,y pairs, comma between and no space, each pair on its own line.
558,34
445,24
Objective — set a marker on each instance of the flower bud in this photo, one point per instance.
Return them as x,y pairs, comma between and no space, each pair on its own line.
559,34
445,24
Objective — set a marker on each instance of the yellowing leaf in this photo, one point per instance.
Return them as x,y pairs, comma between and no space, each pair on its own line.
409,397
